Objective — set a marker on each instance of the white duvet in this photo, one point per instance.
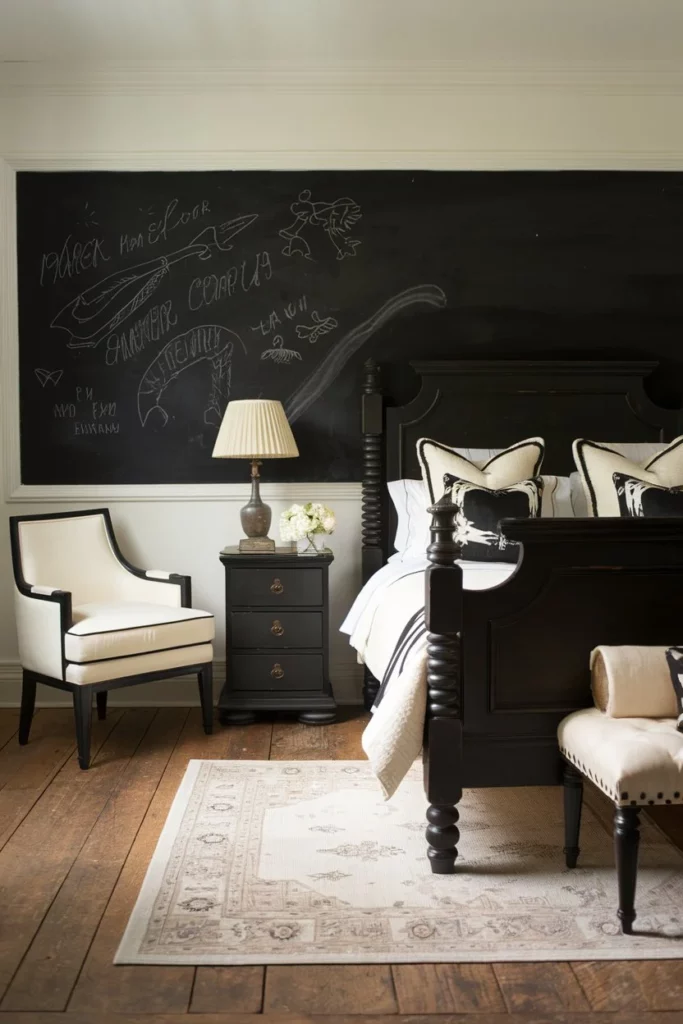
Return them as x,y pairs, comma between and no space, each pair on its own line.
393,738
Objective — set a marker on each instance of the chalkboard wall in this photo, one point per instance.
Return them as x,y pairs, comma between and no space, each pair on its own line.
148,300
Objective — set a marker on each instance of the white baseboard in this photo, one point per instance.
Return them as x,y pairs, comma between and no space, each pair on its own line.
347,680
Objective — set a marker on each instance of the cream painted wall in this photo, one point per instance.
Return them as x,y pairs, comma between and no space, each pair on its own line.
429,118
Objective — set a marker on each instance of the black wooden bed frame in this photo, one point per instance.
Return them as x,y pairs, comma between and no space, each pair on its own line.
505,665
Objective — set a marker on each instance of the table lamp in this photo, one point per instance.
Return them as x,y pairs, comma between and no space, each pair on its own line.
255,428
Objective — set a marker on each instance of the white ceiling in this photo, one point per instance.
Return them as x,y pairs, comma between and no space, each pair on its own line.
243,31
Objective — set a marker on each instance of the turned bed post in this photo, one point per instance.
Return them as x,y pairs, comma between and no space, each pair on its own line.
443,726
371,505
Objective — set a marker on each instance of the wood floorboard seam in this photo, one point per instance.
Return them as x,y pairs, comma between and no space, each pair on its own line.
11,737
125,861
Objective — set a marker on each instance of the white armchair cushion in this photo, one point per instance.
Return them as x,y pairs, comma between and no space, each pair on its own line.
102,631
159,661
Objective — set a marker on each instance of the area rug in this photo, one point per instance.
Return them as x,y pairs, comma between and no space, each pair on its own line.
267,862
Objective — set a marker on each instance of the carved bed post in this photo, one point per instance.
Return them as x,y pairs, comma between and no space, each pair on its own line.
371,508
443,726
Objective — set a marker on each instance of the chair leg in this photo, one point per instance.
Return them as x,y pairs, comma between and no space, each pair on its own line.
101,697
83,713
626,840
28,703
573,798
205,677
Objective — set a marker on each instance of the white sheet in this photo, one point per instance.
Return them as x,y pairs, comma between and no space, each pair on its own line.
392,595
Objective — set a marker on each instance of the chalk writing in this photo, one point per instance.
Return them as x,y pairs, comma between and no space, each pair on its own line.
317,329
249,274
156,322
72,259
99,310
80,394
321,378
211,343
48,376
266,326
81,429
292,309
63,410
279,354
336,219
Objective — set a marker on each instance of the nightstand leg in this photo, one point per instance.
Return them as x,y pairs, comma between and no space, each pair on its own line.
236,717
317,717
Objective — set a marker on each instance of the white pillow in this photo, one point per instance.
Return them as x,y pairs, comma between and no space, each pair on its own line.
597,463
556,502
411,502
520,461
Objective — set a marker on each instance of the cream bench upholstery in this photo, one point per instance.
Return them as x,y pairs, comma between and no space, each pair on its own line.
88,621
636,762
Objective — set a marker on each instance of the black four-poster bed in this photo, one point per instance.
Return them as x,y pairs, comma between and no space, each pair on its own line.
505,665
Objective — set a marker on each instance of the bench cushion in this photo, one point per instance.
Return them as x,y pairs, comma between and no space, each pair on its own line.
104,631
633,760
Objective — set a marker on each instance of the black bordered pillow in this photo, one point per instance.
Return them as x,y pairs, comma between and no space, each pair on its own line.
637,498
520,461
480,509
674,657
597,464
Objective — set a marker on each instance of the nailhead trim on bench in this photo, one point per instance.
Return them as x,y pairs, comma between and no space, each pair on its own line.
623,800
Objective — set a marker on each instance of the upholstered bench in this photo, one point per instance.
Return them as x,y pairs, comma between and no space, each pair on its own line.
636,762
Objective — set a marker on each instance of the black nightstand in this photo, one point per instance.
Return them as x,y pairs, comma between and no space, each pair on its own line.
276,630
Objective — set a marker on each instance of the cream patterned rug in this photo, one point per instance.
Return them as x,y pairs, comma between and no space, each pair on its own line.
264,862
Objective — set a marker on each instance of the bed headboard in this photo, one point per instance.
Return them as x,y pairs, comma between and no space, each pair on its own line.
492,404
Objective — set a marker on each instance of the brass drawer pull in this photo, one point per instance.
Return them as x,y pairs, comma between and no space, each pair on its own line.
277,671
277,629
276,586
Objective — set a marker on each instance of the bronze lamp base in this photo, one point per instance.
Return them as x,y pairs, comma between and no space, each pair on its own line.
255,518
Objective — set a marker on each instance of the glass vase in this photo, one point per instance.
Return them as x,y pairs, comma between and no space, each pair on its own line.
311,544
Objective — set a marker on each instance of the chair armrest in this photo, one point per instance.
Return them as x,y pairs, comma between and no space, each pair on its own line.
43,616
174,579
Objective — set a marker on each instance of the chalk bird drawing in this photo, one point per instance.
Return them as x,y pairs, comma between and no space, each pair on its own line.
100,309
208,343
336,219
48,377
335,360
279,354
318,329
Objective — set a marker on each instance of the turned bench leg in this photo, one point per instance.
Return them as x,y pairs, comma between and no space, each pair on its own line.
573,799
626,841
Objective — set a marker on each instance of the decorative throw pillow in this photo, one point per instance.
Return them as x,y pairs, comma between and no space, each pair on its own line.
598,463
479,511
637,498
519,462
674,657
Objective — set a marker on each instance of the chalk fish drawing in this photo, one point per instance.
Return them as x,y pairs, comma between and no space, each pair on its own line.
100,309
279,354
51,376
318,328
210,343
335,360
336,219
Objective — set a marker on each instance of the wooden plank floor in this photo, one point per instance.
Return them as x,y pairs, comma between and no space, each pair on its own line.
74,848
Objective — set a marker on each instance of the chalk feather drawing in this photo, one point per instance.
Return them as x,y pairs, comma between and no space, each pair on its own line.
317,329
48,376
279,354
101,308
336,219
210,343
335,360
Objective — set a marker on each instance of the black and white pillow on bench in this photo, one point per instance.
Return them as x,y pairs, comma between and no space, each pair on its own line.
640,499
674,657
480,509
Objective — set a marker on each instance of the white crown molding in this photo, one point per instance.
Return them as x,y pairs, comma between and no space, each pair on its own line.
239,493
126,78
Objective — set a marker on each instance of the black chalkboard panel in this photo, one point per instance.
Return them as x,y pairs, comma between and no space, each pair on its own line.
148,300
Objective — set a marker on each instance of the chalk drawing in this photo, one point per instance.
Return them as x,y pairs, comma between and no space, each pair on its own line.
279,354
335,360
100,309
317,329
336,219
48,376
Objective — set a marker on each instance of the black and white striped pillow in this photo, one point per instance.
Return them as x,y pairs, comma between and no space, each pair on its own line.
479,511
638,498
674,657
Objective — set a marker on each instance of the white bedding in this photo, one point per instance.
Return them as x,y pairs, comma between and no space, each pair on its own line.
393,738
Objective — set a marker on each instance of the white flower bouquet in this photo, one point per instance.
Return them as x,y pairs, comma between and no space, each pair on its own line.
307,524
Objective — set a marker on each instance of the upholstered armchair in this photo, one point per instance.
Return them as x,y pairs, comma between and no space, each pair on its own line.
89,622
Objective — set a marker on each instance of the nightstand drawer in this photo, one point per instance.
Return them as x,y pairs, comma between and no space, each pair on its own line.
277,629
276,672
276,586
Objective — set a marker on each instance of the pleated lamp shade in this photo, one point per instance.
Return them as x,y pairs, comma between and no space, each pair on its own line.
255,428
